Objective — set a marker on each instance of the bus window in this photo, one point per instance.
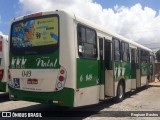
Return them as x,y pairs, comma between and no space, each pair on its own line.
117,56
125,51
144,56
108,54
133,58
87,42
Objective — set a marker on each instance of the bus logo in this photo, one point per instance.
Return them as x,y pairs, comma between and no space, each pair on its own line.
18,62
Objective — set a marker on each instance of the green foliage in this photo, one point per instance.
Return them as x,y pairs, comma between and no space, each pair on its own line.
158,55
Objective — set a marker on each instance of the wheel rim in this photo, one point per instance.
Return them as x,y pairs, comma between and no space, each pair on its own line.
120,91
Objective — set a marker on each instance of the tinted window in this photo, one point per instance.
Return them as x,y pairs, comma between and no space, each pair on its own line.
125,52
145,56
117,55
87,45
81,34
91,36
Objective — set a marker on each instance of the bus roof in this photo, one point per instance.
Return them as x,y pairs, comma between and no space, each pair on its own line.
4,37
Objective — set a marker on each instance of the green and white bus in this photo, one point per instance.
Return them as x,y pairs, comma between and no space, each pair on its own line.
59,58
3,63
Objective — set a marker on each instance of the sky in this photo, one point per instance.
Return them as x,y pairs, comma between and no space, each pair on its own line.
138,20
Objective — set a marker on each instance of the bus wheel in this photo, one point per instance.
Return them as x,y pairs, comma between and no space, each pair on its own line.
120,92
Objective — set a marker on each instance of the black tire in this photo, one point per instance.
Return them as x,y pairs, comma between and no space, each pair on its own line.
120,92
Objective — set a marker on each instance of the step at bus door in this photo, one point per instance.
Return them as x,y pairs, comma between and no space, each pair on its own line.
108,65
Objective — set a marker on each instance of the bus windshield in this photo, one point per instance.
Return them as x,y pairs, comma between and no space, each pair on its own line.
35,35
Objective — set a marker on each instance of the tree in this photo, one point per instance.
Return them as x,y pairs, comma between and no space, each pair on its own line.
158,55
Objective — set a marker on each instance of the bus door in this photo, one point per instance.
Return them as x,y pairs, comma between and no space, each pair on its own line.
101,68
109,77
133,68
138,72
106,70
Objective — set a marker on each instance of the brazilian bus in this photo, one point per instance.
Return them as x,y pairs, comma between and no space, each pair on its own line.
61,59
4,63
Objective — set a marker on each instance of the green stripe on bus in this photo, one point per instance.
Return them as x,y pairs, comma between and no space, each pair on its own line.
41,61
87,73
66,95
122,70
3,86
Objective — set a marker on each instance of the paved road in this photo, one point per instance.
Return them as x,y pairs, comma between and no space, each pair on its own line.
141,100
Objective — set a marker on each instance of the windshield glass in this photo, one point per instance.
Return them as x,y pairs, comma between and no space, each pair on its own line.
36,35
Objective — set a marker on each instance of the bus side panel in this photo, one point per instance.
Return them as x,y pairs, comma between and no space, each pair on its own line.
67,57
87,73
122,71
3,63
86,96
87,82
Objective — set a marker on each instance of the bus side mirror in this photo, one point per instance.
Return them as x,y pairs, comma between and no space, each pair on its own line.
81,49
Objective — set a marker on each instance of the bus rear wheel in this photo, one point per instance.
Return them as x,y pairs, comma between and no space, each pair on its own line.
120,92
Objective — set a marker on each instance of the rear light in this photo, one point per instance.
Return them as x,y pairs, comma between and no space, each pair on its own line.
36,14
1,74
61,78
33,15
62,71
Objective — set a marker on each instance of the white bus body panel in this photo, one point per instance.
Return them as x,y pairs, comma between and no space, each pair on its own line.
67,47
46,80
87,96
4,57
